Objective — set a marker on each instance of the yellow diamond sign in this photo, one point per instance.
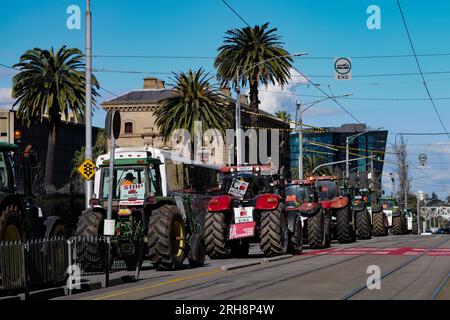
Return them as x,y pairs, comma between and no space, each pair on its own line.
87,169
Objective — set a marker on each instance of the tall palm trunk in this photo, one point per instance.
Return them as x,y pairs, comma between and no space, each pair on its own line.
50,160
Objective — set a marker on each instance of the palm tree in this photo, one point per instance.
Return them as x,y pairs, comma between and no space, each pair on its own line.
283,115
50,84
247,47
194,100
310,163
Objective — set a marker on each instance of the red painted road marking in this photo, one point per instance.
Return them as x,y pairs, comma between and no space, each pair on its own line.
441,252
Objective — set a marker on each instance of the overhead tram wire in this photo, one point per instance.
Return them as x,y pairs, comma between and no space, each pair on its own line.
420,68
393,56
301,73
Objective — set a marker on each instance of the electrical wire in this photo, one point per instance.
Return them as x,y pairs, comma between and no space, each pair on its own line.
420,68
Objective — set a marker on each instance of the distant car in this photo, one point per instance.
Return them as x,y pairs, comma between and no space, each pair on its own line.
442,231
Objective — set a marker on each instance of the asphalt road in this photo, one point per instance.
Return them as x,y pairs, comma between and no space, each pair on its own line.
410,267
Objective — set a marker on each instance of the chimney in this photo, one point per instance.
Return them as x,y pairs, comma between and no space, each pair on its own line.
244,99
153,83
226,91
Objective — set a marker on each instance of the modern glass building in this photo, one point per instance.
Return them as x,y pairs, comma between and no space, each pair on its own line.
330,147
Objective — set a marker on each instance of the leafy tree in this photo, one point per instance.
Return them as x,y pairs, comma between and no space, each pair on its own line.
311,162
194,100
50,85
283,115
246,49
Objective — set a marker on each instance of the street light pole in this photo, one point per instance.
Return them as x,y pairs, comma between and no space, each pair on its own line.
238,120
88,100
300,140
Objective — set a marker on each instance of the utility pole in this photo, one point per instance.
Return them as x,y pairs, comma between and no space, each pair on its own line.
347,163
238,120
406,194
88,100
372,180
300,140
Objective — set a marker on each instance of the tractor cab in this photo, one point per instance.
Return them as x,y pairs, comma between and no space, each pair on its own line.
136,180
390,207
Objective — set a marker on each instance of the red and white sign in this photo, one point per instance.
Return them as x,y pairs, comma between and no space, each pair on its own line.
242,230
242,214
238,188
132,192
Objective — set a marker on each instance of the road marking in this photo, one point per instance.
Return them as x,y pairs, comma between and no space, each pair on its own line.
160,284
443,252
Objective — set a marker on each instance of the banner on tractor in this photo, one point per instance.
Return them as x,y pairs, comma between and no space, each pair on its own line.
242,230
238,189
132,192
242,214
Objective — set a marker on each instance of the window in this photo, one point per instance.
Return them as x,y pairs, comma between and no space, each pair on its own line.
128,127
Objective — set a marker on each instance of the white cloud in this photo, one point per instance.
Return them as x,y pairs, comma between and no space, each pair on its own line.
275,98
5,98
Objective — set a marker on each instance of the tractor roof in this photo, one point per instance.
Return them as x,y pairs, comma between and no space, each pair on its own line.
245,168
131,162
4,146
301,182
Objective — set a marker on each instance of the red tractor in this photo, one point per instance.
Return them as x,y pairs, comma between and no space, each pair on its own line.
249,211
325,212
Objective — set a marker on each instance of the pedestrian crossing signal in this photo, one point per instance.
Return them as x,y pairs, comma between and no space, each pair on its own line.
87,169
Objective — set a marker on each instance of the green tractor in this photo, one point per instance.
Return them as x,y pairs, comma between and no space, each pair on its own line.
20,218
147,220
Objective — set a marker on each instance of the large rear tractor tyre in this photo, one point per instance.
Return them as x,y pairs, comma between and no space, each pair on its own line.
166,238
90,251
363,225
397,225
379,229
215,235
10,230
296,238
317,233
345,232
11,224
274,238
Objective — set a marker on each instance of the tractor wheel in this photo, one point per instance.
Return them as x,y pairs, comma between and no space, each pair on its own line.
274,237
166,238
10,224
10,230
90,251
296,238
317,235
345,232
363,225
379,229
397,225
239,249
215,235
197,249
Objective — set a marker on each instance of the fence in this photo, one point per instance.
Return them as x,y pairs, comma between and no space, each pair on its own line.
48,262
31,264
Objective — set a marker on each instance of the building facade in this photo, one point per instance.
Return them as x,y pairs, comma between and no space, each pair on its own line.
139,129
330,147
70,137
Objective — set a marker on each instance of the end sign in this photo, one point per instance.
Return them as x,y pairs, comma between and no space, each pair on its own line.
343,68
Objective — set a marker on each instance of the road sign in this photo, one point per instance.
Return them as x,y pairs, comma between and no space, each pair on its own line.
423,159
112,124
87,169
343,68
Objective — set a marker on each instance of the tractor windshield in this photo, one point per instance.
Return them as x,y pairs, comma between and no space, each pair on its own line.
302,193
4,174
327,190
128,182
387,204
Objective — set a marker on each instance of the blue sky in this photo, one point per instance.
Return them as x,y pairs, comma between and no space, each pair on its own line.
321,28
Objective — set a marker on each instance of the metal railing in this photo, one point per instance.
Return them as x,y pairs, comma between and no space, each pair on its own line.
31,264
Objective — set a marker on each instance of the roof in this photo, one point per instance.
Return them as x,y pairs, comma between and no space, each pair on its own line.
141,96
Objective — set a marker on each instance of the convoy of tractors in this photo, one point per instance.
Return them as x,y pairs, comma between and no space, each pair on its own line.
249,205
